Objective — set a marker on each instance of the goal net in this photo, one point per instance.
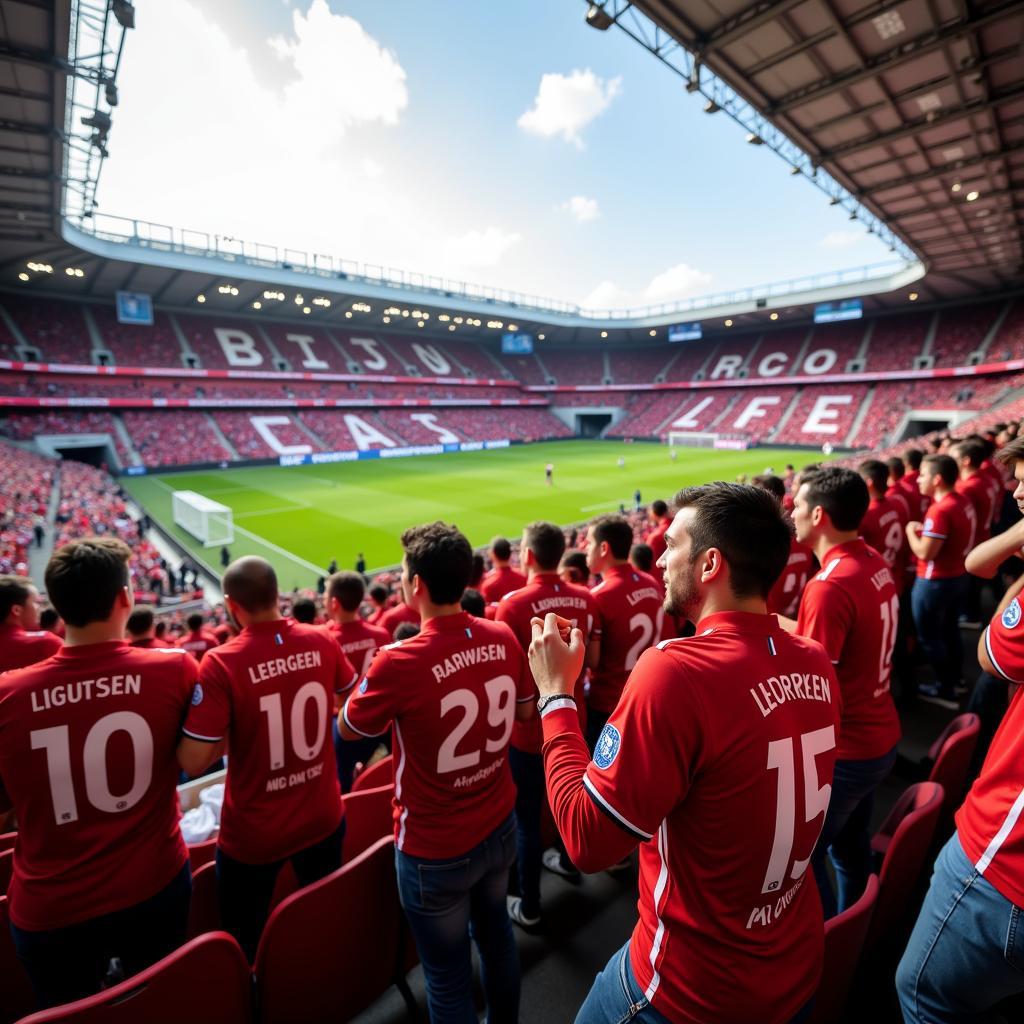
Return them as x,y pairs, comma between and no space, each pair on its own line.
208,521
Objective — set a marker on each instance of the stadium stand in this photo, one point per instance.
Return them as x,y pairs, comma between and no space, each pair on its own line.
569,367
164,438
961,332
211,340
822,412
137,346
307,348
369,353
1009,341
897,340
525,369
640,365
56,329
28,484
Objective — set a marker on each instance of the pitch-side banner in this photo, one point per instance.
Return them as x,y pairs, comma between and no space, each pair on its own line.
319,458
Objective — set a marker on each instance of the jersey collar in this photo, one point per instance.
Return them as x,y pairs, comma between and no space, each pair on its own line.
266,628
848,547
740,622
449,623
91,650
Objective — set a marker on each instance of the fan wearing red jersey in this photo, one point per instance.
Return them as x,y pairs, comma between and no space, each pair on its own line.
851,608
940,544
661,521
502,579
392,618
452,693
541,549
630,611
909,485
198,640
268,696
784,598
22,642
701,764
641,557
964,953
883,526
976,486
359,641
87,741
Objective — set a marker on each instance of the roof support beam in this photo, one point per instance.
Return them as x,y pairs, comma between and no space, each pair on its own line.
954,167
746,21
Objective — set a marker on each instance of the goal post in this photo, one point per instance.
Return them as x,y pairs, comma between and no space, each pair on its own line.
207,520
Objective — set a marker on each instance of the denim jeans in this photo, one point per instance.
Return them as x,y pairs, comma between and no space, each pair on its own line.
845,836
449,901
616,997
936,605
65,964
528,773
989,700
966,953
245,890
348,753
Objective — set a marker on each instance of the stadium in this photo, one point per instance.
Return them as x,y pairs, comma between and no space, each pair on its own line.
207,398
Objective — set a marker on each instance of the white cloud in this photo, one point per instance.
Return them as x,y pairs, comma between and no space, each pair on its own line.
679,282
479,248
608,295
581,208
370,167
566,104
842,239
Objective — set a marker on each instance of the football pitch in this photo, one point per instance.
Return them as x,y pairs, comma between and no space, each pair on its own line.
301,517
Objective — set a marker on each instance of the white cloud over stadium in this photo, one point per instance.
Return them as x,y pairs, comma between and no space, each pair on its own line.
566,104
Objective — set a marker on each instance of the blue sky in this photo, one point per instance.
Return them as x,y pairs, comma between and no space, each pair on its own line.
507,145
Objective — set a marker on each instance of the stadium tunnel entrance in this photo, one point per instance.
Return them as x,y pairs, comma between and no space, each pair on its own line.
589,421
93,449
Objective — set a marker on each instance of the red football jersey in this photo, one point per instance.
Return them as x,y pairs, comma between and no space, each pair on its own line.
394,617
20,647
917,501
852,609
198,643
719,759
951,519
88,745
630,610
499,582
989,823
656,540
271,691
977,489
451,692
784,597
998,483
882,529
359,642
543,593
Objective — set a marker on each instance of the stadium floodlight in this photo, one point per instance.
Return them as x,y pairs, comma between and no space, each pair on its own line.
599,18
728,323
23,276
711,107
794,170
99,120
124,12
208,521
834,201
754,139
912,296
971,196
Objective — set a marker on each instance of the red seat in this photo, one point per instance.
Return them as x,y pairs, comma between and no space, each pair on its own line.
910,827
16,998
330,950
206,981
204,910
378,774
951,755
844,940
202,853
368,816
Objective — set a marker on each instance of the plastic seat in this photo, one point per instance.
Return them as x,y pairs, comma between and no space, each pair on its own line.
16,998
206,981
844,940
951,755
330,950
368,816
202,853
379,774
204,910
911,827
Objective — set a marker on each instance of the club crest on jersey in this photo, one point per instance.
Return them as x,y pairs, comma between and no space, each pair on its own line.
607,748
197,694
1011,617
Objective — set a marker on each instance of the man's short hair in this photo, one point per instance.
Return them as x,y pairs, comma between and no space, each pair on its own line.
479,568
379,593
896,467
251,583
14,590
771,483
406,630
84,578
547,544
48,618
659,508
616,531
304,610
576,561
842,493
501,549
945,466
140,622
348,589
876,473
441,556
912,458
472,601
642,556
194,622
973,450
747,525
1011,453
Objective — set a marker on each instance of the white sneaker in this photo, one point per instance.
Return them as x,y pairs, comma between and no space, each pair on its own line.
515,913
552,860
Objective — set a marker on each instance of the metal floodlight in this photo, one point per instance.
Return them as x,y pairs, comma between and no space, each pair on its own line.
99,141
711,107
794,170
754,140
124,12
110,91
599,18
98,120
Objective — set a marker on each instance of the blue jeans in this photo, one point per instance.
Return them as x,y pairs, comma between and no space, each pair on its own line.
528,773
845,836
616,997
65,964
446,903
966,953
348,753
936,605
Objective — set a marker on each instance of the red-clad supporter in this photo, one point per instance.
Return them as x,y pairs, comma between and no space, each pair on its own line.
453,693
87,743
140,629
268,695
22,642
680,769
960,960
997,481
850,607
975,485
641,557
24,497
784,597
377,600
542,547
661,521
359,642
940,545
629,609
573,568
198,640
883,526
392,618
502,579
917,501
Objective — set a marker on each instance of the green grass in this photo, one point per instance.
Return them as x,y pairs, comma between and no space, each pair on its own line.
301,517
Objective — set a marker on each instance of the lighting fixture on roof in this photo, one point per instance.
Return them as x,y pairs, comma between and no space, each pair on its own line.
110,93
74,272
728,323
853,215
443,318
257,304
604,334
387,319
889,24
321,300
124,12
274,295
597,17
956,187
972,195
540,337
653,333
513,327
100,120
834,201
929,102
365,307
693,82
458,320
912,296
306,310
405,312
348,314
419,323
451,327
40,268
299,300
495,324
794,170
773,316
711,107
227,289
23,276
200,298
754,139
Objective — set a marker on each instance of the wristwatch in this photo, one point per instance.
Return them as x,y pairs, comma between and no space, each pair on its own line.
545,701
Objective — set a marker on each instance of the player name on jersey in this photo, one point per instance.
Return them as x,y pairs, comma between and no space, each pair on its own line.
459,660
777,690
264,670
561,600
645,594
85,689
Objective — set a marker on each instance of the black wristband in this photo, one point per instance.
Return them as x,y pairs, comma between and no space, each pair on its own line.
545,701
